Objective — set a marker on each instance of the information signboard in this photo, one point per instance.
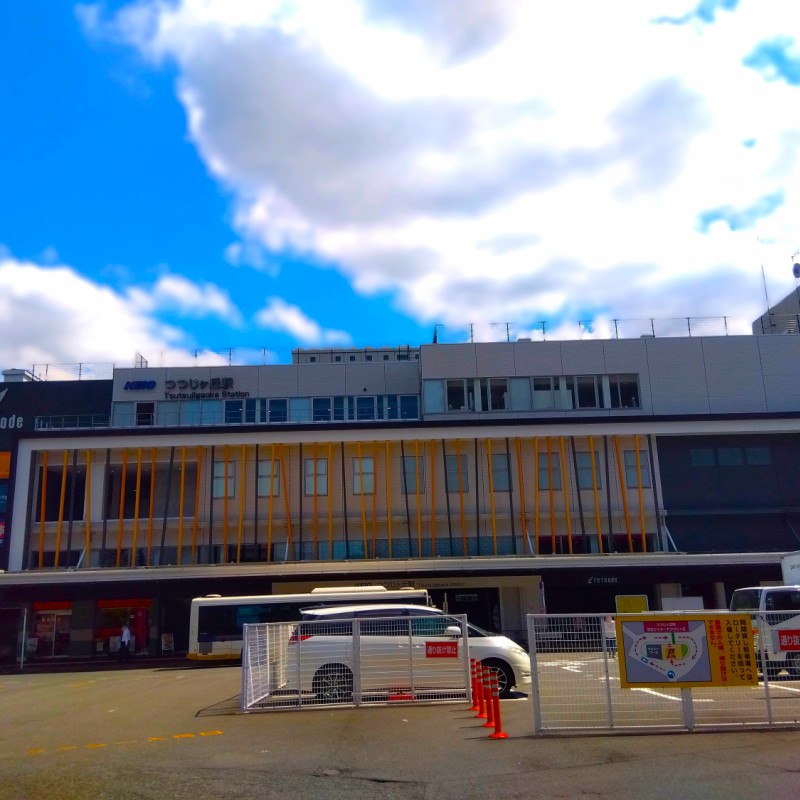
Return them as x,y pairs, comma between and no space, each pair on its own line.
686,650
631,603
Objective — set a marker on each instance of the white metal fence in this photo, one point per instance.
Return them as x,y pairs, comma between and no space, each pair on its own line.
355,662
576,679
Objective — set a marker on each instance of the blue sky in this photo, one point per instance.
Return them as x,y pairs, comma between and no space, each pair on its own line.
179,179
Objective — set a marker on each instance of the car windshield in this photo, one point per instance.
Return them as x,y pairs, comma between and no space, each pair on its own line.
745,600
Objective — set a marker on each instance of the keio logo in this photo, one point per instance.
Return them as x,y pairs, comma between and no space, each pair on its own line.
139,386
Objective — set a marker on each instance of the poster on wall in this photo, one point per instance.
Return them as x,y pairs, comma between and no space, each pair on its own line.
686,651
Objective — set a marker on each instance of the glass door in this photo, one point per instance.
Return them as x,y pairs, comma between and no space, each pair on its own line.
51,632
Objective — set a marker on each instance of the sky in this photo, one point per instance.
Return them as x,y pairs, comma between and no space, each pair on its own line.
222,181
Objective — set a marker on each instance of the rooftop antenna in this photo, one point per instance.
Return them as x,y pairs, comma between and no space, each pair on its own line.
764,281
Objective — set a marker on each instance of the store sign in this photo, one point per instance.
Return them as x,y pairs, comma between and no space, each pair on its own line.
595,580
139,386
11,422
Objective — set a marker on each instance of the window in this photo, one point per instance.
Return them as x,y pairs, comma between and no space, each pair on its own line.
585,470
456,477
269,478
337,358
433,396
730,456
413,471
501,480
456,396
494,394
624,391
364,475
758,456
543,394
278,410
586,392
631,478
253,411
549,476
218,488
365,407
409,406
316,476
145,413
234,412
321,408
702,457
300,409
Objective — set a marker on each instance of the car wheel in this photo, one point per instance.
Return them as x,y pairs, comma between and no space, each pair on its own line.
794,665
333,683
505,675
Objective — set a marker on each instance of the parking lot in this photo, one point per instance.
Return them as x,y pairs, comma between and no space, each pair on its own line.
178,733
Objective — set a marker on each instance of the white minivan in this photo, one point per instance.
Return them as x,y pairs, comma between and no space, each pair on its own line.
394,642
776,625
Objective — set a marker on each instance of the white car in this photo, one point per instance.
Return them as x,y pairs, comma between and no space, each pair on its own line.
395,641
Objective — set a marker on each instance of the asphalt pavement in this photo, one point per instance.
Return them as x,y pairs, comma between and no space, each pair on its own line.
175,732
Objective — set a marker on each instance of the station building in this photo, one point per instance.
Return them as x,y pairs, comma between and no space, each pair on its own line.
505,477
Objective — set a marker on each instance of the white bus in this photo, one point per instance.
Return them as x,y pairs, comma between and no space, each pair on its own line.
215,623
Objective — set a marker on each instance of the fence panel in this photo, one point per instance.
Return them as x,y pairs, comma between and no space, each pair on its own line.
576,680
355,661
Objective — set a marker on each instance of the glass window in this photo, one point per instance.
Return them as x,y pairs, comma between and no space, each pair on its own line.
211,412
543,396
233,412
339,408
191,411
365,407
392,406
409,406
552,475
269,477
501,480
145,413
758,456
456,396
730,456
494,394
433,396
123,414
456,469
631,478
300,409
168,412
316,474
702,457
586,392
584,460
413,472
521,398
321,408
278,410
624,391
364,475
253,410
218,488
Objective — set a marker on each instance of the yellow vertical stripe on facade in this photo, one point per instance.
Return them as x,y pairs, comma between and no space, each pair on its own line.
281,455
121,520
271,503
181,500
88,511
596,496
374,499
362,498
461,498
433,496
62,497
491,495
226,457
42,508
136,505
240,522
389,495
536,494
551,494
565,485
151,505
196,520
641,491
418,498
523,518
623,492
314,515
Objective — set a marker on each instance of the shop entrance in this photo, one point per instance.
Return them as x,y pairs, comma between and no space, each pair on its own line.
481,605
50,635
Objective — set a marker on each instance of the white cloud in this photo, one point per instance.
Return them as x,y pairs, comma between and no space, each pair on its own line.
411,144
178,294
278,315
52,315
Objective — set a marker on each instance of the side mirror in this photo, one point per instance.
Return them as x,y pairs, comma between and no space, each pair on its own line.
452,630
